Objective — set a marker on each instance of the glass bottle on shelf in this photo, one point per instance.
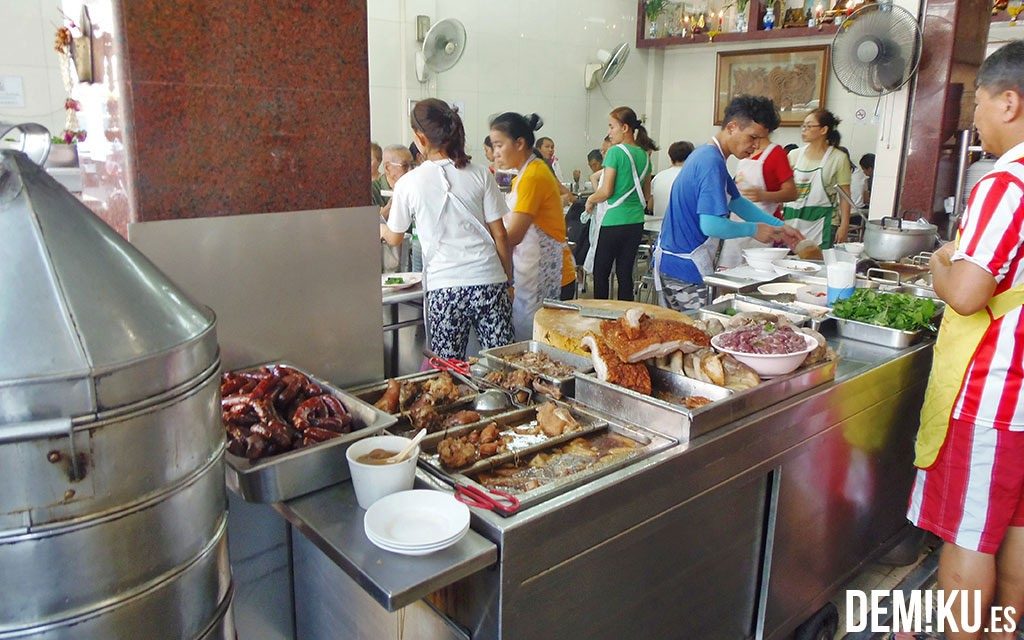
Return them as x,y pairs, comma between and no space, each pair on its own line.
769,18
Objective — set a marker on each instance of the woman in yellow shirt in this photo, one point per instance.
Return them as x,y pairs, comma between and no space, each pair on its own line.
542,263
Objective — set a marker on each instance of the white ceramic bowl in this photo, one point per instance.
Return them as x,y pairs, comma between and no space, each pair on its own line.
813,294
769,365
374,481
760,258
777,288
853,248
795,268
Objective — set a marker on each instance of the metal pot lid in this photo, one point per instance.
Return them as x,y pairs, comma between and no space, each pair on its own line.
87,323
904,227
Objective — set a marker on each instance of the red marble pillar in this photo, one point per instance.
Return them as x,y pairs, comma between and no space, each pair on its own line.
228,108
955,32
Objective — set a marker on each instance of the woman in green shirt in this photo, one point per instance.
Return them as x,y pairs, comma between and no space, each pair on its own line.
626,187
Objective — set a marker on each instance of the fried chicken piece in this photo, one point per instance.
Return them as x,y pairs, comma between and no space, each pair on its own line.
634,339
408,392
441,389
425,417
489,433
555,420
611,369
456,452
389,402
510,380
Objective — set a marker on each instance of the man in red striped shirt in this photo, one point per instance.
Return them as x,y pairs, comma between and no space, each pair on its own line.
970,449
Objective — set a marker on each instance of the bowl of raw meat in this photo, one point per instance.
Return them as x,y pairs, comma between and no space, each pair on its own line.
768,349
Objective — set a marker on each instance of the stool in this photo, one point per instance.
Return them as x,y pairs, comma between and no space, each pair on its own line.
645,291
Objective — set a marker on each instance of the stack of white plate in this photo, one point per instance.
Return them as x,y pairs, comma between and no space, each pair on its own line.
416,522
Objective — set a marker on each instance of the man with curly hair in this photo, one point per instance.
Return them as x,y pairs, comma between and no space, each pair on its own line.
703,195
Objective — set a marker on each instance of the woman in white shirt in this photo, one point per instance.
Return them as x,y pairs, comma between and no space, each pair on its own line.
458,209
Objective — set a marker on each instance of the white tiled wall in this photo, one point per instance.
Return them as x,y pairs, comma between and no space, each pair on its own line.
688,100
525,56
26,51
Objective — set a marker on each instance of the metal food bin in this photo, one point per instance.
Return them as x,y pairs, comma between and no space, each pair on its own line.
685,424
113,520
298,472
497,357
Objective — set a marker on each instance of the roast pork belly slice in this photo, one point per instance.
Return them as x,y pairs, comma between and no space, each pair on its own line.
640,338
610,368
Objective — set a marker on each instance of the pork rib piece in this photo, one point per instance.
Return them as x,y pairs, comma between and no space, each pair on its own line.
610,368
636,336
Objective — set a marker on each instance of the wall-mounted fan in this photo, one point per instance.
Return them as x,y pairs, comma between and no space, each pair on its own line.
611,62
877,49
443,45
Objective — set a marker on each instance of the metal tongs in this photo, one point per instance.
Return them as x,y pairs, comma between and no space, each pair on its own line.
493,398
496,500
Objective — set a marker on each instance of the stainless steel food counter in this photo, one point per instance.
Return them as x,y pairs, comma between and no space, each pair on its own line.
742,532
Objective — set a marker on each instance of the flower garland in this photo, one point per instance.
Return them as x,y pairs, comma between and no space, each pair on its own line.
62,45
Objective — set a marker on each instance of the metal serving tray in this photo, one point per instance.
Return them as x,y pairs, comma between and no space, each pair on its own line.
740,305
885,336
686,424
301,471
497,358
371,393
650,444
520,445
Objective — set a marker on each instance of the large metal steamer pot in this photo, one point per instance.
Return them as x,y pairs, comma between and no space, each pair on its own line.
113,517
889,239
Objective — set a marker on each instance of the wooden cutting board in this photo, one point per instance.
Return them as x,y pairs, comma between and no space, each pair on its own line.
563,329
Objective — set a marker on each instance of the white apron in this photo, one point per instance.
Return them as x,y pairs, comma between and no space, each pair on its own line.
811,212
703,257
599,211
750,173
537,265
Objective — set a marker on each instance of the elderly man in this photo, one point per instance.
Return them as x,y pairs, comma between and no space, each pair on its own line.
397,161
969,489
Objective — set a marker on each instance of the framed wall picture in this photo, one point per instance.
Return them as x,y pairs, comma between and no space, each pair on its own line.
795,78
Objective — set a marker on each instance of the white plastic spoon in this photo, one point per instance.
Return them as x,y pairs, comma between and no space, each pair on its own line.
398,457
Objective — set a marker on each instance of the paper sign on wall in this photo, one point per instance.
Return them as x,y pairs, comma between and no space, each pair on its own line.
12,91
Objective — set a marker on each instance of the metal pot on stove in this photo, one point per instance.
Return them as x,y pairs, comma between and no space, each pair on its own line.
893,238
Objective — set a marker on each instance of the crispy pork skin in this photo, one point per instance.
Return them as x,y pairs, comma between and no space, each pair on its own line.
610,368
635,339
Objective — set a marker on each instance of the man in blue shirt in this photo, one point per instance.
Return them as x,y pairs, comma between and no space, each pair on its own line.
703,195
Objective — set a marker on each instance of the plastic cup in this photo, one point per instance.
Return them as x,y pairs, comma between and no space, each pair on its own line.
374,481
841,277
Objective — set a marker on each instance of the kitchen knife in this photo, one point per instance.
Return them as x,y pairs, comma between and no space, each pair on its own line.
586,312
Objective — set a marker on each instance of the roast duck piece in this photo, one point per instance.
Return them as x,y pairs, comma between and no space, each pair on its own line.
419,400
277,409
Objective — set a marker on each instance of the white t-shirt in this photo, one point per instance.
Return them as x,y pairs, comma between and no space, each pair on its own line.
858,182
451,208
661,188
